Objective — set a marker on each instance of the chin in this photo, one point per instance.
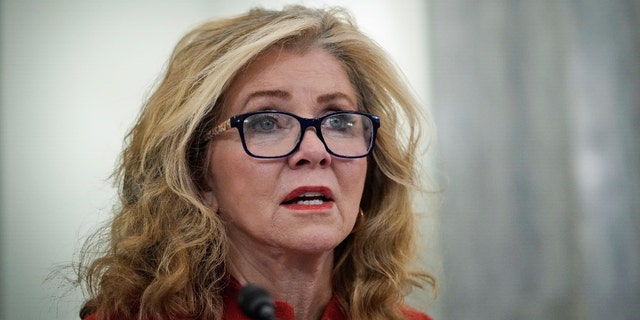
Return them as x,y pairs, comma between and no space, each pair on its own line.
316,243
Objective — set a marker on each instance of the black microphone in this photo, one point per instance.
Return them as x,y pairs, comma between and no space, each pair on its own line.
256,303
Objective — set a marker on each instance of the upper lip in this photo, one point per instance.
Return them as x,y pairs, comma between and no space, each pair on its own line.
310,192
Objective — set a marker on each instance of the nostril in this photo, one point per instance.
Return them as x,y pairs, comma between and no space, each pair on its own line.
302,162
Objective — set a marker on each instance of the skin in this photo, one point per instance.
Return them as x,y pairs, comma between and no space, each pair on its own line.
286,249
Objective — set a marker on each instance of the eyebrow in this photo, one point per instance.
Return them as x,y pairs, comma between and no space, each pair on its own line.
267,93
334,96
286,95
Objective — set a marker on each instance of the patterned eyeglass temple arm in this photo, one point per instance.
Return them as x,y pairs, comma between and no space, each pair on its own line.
218,129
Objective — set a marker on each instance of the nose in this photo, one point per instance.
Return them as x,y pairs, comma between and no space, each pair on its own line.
311,151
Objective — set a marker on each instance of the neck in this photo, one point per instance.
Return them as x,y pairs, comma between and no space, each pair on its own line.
301,280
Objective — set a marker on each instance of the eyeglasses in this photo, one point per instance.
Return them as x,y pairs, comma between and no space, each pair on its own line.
277,134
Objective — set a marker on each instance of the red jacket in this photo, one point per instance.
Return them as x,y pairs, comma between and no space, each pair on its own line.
284,311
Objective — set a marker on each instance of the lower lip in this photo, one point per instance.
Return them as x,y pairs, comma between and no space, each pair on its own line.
323,206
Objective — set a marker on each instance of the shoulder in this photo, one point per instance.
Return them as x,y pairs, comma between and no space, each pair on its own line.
413,314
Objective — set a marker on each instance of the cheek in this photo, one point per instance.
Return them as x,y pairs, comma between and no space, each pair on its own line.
235,176
352,177
225,168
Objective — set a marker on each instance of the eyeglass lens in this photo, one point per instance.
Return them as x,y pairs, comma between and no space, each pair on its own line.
277,134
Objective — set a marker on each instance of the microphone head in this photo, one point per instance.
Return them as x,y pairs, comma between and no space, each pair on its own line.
256,302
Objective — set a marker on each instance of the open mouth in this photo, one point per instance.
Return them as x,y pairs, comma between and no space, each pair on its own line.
309,196
308,199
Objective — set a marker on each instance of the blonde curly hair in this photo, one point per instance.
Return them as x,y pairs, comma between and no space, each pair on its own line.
163,254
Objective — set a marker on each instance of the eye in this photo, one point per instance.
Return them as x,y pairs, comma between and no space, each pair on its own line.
261,123
339,122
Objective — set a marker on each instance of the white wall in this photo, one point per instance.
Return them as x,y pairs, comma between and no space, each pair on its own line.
73,76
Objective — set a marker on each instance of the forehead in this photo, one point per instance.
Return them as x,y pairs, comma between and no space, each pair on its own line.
313,71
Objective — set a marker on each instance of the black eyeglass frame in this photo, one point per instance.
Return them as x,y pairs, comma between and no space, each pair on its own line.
237,122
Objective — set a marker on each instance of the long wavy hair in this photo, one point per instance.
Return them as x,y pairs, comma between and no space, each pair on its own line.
163,254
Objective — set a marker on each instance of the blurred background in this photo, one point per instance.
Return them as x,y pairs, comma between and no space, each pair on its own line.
537,104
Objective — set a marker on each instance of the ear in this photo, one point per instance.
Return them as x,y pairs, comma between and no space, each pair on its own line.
210,198
209,194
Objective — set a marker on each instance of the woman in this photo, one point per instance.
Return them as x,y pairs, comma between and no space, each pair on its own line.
254,162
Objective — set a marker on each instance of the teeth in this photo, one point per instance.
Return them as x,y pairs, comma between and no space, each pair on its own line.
311,194
310,202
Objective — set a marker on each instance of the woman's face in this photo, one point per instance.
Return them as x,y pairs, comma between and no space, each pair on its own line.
261,200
